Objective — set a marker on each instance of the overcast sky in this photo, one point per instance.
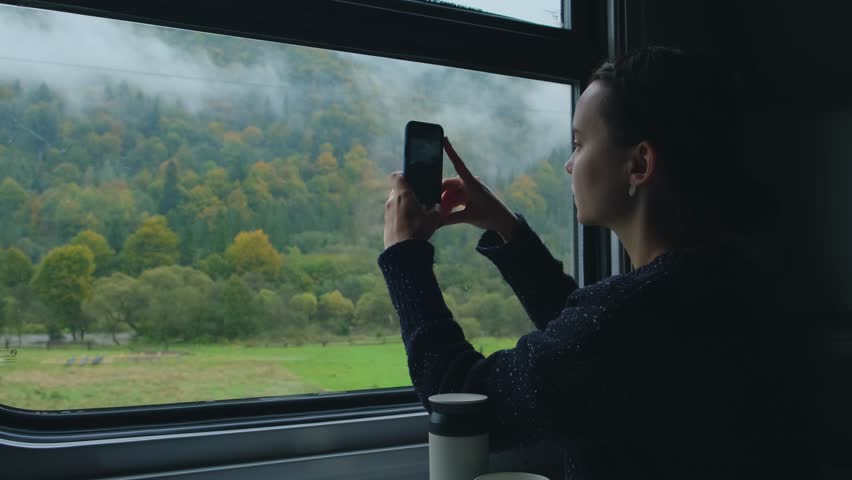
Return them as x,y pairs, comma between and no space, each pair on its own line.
545,12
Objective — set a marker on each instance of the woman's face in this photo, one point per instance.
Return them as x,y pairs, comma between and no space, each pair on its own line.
599,168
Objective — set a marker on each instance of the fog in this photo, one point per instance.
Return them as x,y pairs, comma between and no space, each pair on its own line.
472,113
79,55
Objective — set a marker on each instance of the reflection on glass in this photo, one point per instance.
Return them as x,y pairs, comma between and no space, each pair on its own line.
192,217
543,12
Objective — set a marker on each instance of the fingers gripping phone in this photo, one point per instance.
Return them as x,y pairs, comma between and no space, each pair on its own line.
423,161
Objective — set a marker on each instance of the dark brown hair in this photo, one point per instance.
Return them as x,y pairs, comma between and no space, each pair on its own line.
689,107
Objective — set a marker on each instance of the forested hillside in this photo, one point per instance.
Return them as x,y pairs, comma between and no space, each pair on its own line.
243,204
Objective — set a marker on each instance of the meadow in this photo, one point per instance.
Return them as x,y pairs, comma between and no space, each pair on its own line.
42,379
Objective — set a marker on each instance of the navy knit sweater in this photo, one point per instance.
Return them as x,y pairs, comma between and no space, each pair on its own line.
646,374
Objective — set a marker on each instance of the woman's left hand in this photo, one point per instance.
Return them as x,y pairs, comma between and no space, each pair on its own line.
405,217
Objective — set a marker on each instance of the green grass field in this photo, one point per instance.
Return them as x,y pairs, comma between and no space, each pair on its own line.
39,380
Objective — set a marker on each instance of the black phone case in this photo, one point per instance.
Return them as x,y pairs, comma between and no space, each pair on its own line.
424,178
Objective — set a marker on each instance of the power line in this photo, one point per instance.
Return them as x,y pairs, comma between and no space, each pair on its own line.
255,84
141,72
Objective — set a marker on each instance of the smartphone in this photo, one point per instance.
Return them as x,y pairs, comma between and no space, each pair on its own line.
423,163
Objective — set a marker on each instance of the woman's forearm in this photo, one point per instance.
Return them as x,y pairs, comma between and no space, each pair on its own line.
438,354
526,264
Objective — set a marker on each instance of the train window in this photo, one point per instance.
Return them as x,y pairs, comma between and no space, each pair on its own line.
542,12
196,217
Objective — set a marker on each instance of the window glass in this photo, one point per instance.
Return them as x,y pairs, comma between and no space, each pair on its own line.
543,12
190,217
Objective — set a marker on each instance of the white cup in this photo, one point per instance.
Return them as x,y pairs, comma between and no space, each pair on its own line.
458,436
511,476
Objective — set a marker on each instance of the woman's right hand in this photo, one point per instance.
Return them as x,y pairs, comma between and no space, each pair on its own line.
482,207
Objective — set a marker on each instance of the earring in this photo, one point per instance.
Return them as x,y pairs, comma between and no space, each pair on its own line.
632,191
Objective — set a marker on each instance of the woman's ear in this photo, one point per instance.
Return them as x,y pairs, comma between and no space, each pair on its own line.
643,163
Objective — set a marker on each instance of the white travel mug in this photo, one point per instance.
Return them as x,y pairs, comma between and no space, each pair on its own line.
458,436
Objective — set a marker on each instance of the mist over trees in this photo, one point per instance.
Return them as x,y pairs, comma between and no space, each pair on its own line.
247,200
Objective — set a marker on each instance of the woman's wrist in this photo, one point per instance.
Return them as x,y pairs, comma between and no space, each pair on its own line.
509,227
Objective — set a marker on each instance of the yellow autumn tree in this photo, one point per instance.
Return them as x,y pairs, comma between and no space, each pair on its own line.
252,252
99,246
335,313
252,135
153,245
326,162
523,192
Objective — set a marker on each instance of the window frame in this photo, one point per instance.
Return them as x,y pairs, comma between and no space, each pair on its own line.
349,25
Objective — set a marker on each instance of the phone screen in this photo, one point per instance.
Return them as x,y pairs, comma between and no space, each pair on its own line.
424,154
426,151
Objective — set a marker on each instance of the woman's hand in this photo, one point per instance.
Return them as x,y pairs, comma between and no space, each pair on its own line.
482,207
405,217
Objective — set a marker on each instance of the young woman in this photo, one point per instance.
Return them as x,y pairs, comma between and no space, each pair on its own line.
650,374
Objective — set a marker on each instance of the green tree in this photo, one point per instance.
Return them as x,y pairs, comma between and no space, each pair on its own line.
374,311
238,212
216,180
12,197
42,116
171,190
13,200
471,327
273,311
252,252
356,166
257,192
237,154
12,317
355,286
116,301
63,281
65,212
99,247
177,296
550,184
305,303
292,184
152,245
148,152
216,266
489,309
66,173
516,317
240,309
201,204
302,310
335,313
15,268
